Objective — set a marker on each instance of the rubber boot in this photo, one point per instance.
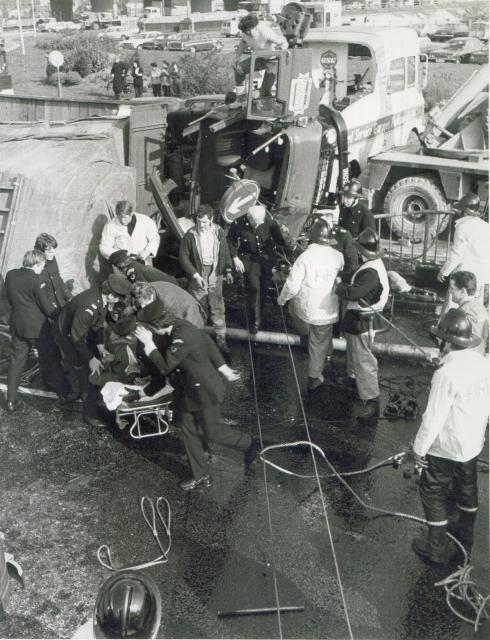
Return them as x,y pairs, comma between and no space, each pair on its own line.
369,411
435,546
463,530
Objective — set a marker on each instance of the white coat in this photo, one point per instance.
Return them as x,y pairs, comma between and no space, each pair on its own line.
470,250
311,283
145,238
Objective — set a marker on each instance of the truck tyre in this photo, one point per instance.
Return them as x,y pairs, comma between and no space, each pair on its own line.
407,199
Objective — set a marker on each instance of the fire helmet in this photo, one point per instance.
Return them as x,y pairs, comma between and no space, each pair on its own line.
353,188
455,327
128,605
320,232
367,243
469,204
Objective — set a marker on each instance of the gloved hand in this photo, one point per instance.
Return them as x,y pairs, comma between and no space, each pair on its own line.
145,336
230,374
238,264
199,280
95,366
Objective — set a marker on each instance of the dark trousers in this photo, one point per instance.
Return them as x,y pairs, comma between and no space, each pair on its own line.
157,90
257,278
50,365
242,70
209,419
435,485
138,89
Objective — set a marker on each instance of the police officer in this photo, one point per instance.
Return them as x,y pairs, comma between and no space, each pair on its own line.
128,605
367,293
79,334
253,240
342,240
136,271
199,385
354,216
29,310
451,437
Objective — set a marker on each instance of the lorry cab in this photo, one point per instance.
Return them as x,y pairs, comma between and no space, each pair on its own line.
229,28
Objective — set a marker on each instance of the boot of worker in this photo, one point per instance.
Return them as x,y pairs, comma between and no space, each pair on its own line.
368,411
463,529
435,546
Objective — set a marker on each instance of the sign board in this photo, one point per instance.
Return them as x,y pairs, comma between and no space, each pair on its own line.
328,59
300,93
56,59
238,199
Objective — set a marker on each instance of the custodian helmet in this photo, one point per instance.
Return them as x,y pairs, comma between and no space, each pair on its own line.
468,204
128,605
455,327
353,188
367,243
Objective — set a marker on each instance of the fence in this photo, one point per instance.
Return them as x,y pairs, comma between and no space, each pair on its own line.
34,109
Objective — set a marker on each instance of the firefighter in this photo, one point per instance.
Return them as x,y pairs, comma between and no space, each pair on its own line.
366,294
128,605
354,216
199,382
469,251
135,232
205,258
253,241
451,436
342,240
30,307
79,334
135,271
462,289
256,36
314,307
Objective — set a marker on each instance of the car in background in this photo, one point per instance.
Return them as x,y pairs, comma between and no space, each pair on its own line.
160,42
137,41
55,27
117,33
454,50
479,57
193,42
446,33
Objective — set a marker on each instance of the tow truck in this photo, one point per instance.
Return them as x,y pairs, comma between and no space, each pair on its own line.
340,96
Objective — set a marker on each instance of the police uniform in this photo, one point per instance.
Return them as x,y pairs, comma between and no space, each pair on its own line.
256,248
30,307
342,241
78,327
356,218
200,389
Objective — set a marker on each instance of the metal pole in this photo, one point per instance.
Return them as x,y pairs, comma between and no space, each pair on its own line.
59,82
21,33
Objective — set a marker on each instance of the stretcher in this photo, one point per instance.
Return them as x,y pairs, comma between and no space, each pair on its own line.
146,419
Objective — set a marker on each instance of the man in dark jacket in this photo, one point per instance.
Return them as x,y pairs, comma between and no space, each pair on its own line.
55,287
174,299
205,258
366,294
200,387
354,216
30,308
343,241
136,271
79,334
253,240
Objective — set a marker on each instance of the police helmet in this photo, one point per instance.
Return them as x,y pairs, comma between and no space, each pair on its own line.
128,605
455,327
353,189
367,243
468,204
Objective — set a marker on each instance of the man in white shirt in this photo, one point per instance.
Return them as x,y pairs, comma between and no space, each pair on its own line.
257,36
313,302
470,250
135,232
462,288
451,437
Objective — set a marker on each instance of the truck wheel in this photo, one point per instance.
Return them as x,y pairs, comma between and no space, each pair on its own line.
407,199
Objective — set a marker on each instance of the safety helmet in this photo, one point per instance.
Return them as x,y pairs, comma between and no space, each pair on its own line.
367,243
353,188
320,232
128,605
468,204
455,327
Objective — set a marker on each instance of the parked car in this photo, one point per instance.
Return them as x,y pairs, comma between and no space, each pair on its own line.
455,50
160,42
479,57
451,31
137,41
117,33
193,42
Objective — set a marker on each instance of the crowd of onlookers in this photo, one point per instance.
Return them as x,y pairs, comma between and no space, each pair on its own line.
163,80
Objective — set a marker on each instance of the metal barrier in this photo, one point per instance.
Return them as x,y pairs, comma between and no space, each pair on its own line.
404,244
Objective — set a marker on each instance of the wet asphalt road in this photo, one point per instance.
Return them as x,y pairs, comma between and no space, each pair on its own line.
68,489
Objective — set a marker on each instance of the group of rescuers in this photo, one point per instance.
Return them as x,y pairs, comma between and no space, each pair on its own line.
143,322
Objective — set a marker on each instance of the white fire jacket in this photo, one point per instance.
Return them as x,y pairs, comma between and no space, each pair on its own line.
145,238
310,285
471,249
